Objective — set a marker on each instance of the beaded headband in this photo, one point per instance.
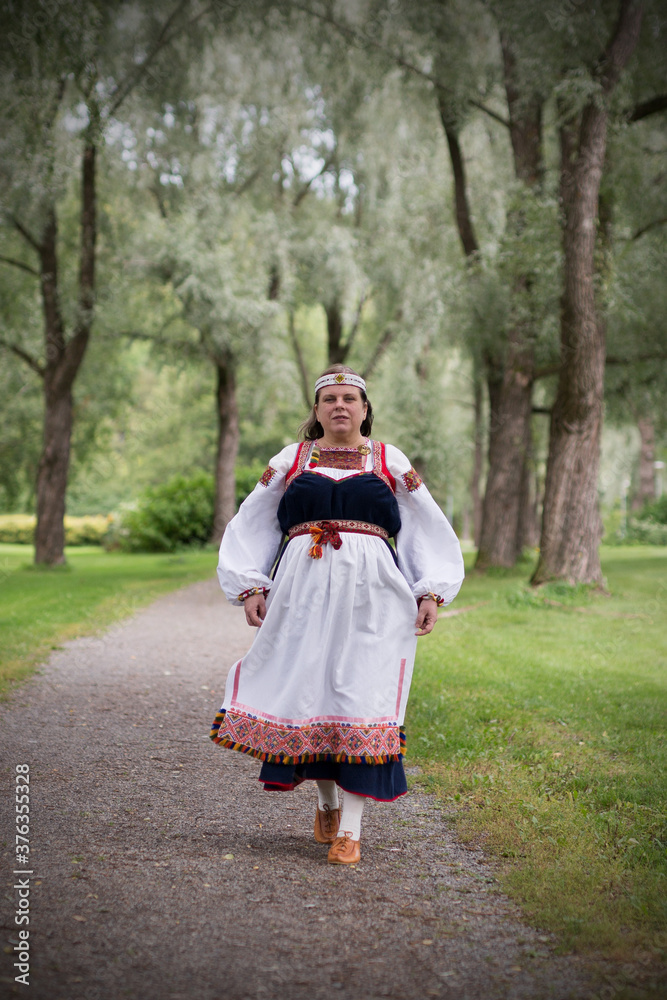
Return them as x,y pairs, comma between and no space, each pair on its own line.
340,378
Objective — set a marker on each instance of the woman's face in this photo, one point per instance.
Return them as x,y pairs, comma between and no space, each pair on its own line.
341,411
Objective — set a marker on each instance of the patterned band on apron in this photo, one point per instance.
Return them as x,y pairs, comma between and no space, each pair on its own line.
324,532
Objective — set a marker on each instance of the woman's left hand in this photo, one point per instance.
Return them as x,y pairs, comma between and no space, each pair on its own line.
427,616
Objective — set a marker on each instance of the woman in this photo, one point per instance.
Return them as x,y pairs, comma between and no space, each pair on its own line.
321,694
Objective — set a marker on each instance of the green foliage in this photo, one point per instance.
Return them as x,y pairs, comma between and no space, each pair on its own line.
656,511
175,514
167,517
648,527
645,531
247,477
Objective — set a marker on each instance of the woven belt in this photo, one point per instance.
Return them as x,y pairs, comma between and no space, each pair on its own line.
323,532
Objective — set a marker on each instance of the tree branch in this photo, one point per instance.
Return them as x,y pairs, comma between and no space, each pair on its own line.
382,346
547,370
247,183
355,323
463,215
648,227
164,38
20,264
654,356
487,111
361,40
305,187
25,356
26,235
300,360
649,107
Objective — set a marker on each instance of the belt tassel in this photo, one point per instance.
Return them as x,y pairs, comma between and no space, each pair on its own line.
322,534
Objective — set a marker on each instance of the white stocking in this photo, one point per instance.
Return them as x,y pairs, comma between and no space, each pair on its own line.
327,794
350,820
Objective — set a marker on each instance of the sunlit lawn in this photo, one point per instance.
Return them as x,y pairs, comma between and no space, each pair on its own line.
40,608
540,717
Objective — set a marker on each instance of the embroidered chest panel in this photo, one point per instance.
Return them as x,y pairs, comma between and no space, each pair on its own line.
339,458
379,467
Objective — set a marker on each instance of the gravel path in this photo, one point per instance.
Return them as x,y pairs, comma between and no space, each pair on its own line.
162,868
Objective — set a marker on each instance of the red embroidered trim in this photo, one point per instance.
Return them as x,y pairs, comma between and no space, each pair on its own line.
321,741
299,462
380,466
267,475
412,480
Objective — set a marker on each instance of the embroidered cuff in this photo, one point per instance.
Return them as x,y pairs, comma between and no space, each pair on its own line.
433,597
251,592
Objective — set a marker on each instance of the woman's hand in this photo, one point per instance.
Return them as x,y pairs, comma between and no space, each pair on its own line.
255,609
427,615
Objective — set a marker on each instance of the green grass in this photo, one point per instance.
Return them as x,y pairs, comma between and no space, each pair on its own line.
539,717
42,608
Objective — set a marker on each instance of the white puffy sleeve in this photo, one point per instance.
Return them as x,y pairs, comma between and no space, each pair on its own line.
252,538
429,554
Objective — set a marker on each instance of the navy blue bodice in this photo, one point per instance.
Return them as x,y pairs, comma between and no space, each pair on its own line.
363,497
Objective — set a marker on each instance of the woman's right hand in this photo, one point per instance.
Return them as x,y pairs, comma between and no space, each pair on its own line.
255,609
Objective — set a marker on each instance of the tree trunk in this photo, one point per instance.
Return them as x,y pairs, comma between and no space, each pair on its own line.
478,459
510,376
646,488
510,398
228,446
52,479
335,347
529,532
571,524
63,360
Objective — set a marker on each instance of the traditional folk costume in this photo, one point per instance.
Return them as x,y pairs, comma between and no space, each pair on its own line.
322,692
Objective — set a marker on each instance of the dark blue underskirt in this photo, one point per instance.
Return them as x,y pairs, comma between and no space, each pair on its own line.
383,782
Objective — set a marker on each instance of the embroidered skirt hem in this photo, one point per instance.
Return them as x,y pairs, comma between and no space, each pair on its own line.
324,742
328,757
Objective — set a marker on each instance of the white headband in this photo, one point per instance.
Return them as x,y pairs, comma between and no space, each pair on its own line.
340,378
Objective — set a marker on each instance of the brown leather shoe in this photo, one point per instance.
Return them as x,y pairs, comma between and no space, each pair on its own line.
326,825
344,851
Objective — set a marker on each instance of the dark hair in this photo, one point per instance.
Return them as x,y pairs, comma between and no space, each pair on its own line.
312,429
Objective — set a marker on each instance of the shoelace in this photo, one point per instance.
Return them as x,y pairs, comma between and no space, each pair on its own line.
342,842
330,824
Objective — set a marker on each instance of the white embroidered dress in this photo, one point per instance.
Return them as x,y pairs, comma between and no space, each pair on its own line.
328,674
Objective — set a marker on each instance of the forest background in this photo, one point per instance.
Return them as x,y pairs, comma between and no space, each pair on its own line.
204,204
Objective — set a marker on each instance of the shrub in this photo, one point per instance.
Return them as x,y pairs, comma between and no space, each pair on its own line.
20,529
648,527
17,529
656,511
646,531
167,517
247,477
